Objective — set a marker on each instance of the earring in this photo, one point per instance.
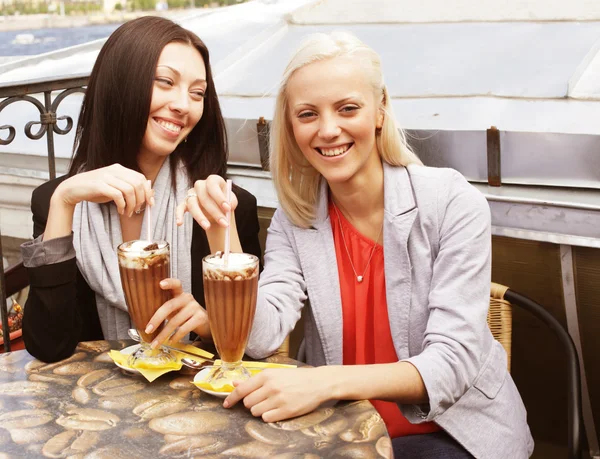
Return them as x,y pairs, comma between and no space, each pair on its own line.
185,140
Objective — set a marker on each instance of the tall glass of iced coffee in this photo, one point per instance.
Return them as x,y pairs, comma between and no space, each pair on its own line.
230,291
143,264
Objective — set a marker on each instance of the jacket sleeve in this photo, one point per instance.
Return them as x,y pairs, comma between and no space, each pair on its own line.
51,322
455,337
281,291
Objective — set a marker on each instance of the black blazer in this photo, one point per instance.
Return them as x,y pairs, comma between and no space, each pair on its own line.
61,307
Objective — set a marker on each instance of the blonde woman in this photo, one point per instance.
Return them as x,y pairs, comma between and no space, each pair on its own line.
391,260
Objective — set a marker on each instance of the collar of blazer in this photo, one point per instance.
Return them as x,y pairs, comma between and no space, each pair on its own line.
316,253
399,195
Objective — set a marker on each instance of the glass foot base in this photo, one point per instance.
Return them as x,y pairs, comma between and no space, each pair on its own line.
227,374
145,356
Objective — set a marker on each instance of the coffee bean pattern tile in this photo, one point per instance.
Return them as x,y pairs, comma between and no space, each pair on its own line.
86,407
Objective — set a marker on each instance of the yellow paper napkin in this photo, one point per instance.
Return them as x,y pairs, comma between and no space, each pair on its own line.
253,368
151,372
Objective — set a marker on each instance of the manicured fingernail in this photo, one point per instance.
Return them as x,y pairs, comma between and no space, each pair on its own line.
163,283
154,344
149,328
205,224
152,201
178,221
223,222
226,206
225,404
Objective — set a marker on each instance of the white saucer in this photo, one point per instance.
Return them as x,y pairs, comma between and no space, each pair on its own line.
201,376
129,350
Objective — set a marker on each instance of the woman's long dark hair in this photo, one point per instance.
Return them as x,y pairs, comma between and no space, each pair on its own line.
115,110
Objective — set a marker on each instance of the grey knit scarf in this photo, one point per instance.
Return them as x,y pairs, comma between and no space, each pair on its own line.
97,233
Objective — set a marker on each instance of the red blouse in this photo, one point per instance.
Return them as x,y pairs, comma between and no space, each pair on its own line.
366,330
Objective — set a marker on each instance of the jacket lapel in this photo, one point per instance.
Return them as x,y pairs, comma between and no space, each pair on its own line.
400,214
319,267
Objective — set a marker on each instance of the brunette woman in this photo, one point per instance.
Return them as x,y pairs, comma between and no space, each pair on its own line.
150,126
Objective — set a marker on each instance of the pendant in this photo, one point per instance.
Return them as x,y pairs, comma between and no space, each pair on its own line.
359,279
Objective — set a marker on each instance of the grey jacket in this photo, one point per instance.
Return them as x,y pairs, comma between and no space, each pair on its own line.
437,249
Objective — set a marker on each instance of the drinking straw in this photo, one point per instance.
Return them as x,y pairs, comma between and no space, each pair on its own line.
149,216
228,218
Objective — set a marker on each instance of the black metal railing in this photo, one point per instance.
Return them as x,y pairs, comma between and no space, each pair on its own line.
54,91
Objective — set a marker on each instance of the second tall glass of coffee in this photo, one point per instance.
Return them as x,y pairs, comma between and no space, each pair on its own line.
143,264
230,291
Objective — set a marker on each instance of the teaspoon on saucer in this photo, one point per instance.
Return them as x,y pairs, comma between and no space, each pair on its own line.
134,335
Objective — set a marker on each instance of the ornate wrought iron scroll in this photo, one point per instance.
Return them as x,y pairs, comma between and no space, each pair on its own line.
48,126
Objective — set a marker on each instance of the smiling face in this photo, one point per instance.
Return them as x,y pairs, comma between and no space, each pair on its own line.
177,99
334,113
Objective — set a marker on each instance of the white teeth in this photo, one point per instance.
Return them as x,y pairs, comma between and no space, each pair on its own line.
169,126
334,151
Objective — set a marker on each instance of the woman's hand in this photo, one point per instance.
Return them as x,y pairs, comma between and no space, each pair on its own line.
184,314
277,394
127,188
207,203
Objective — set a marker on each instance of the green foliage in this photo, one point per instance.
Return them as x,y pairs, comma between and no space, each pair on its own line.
85,7
76,8
141,5
24,8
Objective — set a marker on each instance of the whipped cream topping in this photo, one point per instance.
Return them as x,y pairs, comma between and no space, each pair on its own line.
239,266
139,254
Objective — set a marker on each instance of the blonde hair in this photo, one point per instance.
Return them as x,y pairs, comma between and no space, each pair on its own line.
297,183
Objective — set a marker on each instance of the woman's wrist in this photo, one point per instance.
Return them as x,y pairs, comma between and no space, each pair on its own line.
335,385
60,217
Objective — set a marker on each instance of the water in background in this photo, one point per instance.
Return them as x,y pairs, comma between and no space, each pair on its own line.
38,41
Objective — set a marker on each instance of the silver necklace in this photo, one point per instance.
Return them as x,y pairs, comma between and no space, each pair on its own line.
360,278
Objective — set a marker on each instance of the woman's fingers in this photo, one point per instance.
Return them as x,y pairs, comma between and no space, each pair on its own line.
127,190
168,307
166,311
170,283
180,212
208,202
113,194
216,188
274,415
140,195
141,187
193,207
149,193
182,322
183,312
243,389
176,325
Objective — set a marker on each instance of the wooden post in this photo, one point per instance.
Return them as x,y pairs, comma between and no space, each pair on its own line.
493,157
